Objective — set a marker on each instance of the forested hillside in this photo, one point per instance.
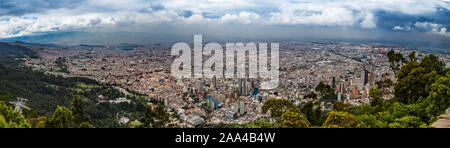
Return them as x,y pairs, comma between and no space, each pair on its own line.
46,93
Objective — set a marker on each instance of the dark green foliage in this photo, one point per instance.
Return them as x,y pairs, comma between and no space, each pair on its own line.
432,63
395,59
8,53
336,119
294,118
326,92
439,97
311,95
415,79
156,118
376,98
421,95
276,107
78,111
385,85
62,118
16,51
313,112
149,117
341,106
10,118
61,63
86,125
46,92
414,86
262,124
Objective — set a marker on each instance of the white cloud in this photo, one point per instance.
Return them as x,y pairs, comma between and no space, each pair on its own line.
325,17
369,21
428,26
443,30
432,28
405,28
243,17
398,28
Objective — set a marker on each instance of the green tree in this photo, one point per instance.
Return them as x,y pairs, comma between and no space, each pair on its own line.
399,110
262,124
432,63
376,98
408,122
395,60
3,123
326,92
161,116
438,99
369,121
384,85
408,67
313,112
86,125
337,119
38,122
78,111
415,79
277,107
149,117
414,86
294,118
341,106
62,118
155,117
311,95
135,124
10,118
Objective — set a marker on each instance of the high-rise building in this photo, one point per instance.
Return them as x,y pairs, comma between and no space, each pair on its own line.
365,77
242,108
216,103
235,107
221,98
212,107
209,102
342,87
255,91
354,94
166,102
214,83
333,83
371,78
243,87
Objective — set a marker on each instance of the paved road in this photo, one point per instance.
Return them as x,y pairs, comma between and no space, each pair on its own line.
444,121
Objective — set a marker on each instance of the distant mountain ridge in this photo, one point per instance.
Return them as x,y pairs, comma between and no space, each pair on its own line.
10,52
62,39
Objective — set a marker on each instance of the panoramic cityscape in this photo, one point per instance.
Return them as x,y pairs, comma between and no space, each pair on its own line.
333,64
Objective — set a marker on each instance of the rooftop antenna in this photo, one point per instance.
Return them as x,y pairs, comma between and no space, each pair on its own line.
20,104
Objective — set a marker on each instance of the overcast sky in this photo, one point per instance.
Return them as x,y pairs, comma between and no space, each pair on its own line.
323,18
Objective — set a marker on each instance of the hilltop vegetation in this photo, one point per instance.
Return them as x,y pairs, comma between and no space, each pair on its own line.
422,93
11,54
47,92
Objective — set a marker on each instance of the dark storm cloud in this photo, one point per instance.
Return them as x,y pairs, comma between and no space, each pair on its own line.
388,20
